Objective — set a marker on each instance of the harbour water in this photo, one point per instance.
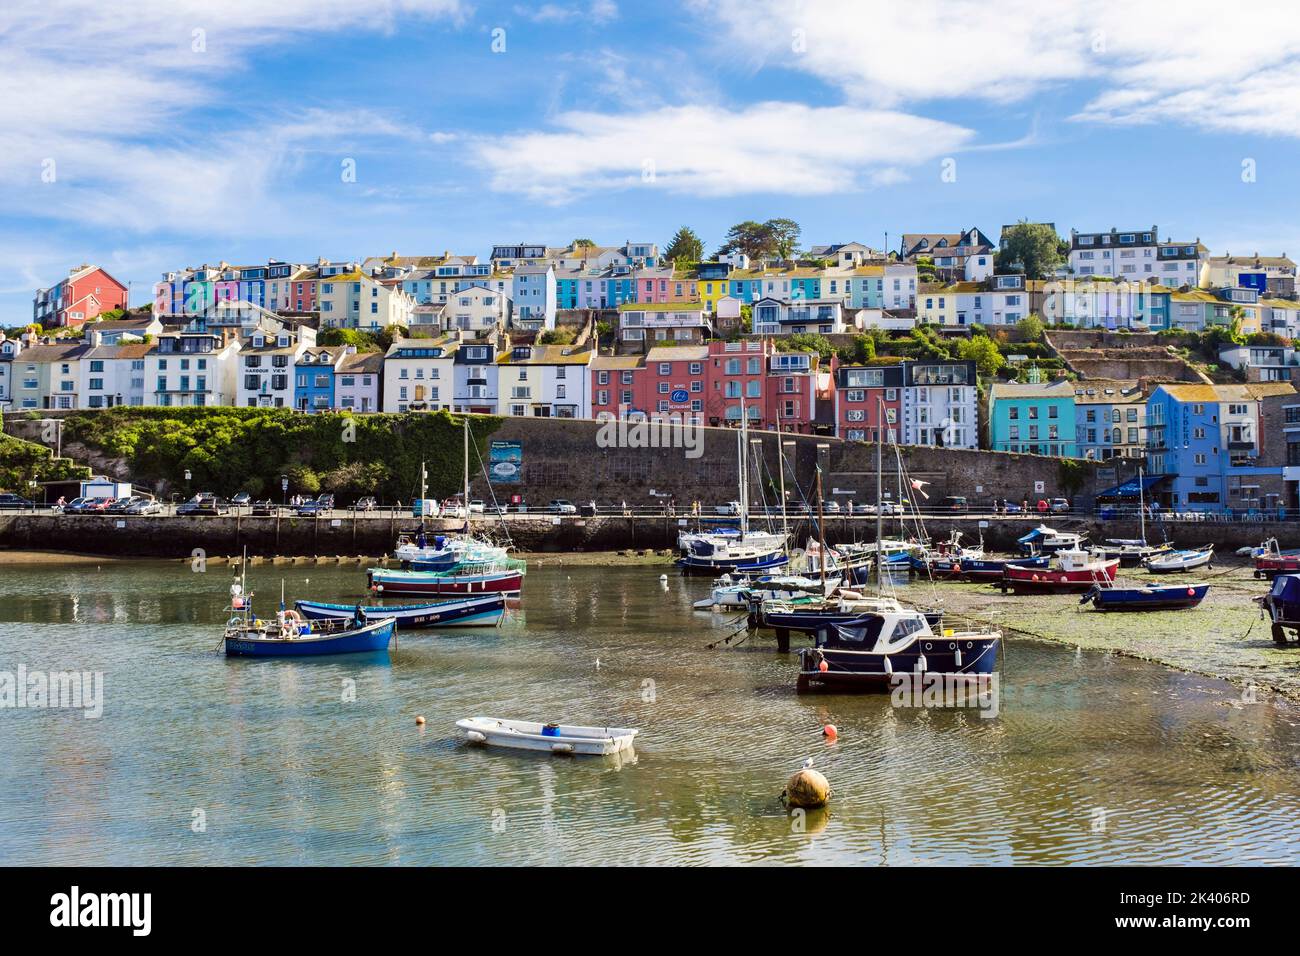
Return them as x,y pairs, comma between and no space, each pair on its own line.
197,759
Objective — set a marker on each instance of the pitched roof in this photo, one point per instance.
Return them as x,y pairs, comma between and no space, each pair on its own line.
612,362
1060,388
677,353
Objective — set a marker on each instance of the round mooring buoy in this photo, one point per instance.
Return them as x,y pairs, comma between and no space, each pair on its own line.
419,720
830,732
807,789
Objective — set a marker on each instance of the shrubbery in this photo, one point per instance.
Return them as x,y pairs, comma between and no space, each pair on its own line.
248,449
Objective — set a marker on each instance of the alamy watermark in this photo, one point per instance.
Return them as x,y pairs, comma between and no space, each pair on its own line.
65,690
929,690
659,430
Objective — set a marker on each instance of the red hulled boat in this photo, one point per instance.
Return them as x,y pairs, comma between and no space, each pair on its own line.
1075,571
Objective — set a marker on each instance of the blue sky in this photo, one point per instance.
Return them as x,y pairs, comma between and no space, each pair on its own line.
180,132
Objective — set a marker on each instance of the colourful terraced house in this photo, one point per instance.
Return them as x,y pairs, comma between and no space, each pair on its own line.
1036,419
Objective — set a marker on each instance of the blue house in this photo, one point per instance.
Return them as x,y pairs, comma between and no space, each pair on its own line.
313,376
1204,443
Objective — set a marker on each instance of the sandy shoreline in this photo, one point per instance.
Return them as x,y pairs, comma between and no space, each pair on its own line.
56,557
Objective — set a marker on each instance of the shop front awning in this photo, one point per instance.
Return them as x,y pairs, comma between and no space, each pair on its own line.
1131,489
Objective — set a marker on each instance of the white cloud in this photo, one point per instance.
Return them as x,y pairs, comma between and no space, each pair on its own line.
1199,62
767,147
107,95
596,11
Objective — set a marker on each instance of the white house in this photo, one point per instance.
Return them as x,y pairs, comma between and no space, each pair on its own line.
112,375
191,368
534,295
266,368
475,309
940,404
418,374
547,381
772,316
650,322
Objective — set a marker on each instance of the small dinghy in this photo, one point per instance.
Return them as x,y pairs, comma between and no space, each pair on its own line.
1184,560
551,738
1167,597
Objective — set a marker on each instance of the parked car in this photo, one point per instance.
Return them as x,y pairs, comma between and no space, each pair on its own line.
75,506
241,499
559,506
264,508
730,509
368,503
476,506
98,505
830,507
144,506
122,505
319,506
8,500
1012,508
588,509
956,503
204,504
1060,506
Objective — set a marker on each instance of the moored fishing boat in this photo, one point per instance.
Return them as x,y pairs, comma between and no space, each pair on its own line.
1130,552
1282,604
1180,560
485,611
504,577
990,568
1156,597
739,593
549,738
1075,571
876,654
1045,540
722,556
1270,559
812,616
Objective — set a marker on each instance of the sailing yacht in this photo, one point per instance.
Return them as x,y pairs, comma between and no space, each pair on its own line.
735,550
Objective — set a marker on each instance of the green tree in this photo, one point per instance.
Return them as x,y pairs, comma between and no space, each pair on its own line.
582,243
785,236
1030,328
685,247
983,351
1033,248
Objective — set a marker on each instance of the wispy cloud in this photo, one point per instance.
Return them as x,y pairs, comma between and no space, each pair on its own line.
764,148
1200,62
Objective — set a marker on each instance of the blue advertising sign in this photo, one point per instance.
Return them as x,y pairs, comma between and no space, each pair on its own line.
679,396
505,461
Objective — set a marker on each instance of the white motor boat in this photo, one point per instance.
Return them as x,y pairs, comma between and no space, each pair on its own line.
549,738
740,593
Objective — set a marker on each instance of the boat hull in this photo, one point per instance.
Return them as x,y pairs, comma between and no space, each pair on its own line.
1169,598
418,582
368,639
1020,580
979,569
813,622
1268,565
519,735
865,672
484,611
717,566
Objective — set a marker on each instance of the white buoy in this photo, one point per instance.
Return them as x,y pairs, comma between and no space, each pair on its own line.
889,668
663,579
957,657
921,663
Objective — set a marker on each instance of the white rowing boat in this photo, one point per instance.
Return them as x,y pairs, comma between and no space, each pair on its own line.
552,738
1184,560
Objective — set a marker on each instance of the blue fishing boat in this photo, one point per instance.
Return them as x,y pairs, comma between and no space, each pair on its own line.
485,611
286,637
718,558
876,654
1152,598
288,634
1282,603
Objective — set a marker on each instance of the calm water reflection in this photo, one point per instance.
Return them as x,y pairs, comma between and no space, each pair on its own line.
286,771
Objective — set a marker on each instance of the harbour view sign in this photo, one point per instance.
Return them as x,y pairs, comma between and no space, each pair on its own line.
505,461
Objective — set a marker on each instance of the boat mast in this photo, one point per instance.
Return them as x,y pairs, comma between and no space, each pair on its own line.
424,492
743,465
821,530
880,524
465,493
780,467
1142,507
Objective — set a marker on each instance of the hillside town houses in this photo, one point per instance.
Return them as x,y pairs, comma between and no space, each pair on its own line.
589,331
